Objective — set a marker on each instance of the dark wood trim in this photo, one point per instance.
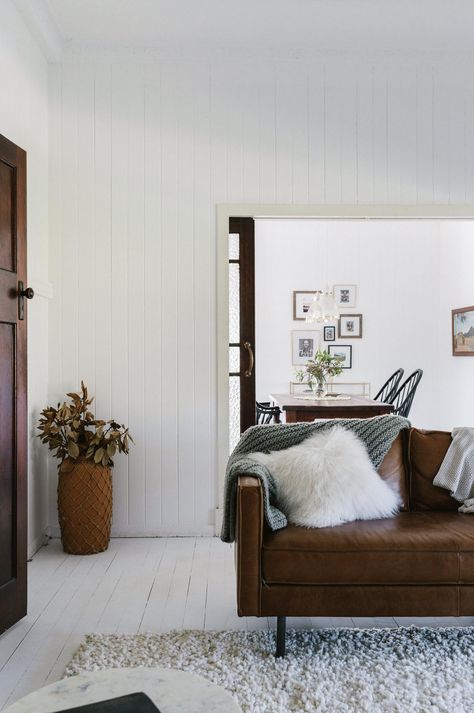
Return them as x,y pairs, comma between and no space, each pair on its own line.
357,407
245,228
13,594
454,312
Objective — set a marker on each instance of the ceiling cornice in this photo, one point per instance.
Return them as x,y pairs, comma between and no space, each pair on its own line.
39,21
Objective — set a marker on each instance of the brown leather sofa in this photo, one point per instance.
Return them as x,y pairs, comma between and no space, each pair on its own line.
419,563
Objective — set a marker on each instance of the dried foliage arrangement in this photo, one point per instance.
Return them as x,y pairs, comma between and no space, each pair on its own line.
72,431
319,368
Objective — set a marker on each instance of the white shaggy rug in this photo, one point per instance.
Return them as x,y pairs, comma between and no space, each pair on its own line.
406,670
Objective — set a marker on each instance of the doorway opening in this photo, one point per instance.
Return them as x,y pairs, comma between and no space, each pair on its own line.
452,283
396,283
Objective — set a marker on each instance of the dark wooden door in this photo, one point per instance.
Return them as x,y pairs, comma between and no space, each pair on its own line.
13,458
242,318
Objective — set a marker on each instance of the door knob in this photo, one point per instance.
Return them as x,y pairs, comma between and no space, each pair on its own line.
28,292
23,292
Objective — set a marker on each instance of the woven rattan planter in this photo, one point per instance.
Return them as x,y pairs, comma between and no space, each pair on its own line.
84,506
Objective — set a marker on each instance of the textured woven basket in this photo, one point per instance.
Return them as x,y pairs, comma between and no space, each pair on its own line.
84,506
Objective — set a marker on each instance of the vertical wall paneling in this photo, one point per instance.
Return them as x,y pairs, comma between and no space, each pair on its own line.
153,281
135,313
184,347
458,90
250,132
170,359
468,136
204,333
100,257
348,134
443,95
267,131
380,136
365,136
121,78
70,238
87,313
57,244
316,112
334,104
402,134
142,151
300,134
288,109
233,109
222,102
424,132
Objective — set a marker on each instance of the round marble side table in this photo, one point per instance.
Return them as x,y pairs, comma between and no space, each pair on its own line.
170,690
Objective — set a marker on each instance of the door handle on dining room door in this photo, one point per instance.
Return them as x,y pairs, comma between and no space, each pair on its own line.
251,363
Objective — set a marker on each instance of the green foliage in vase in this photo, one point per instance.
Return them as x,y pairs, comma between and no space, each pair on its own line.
72,431
319,368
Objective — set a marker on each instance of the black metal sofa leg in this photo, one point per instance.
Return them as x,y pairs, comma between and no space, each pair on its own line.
281,637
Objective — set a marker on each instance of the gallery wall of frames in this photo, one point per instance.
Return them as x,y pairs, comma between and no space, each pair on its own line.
385,276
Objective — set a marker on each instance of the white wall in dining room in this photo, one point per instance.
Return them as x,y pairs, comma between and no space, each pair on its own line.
456,290
395,265
24,120
143,148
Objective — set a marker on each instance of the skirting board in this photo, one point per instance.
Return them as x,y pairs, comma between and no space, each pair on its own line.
158,532
37,544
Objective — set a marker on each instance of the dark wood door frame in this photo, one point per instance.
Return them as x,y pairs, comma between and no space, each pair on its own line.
13,386
245,228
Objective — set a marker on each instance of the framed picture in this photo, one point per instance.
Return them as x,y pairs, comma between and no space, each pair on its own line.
345,295
329,334
344,352
301,302
304,346
349,326
463,331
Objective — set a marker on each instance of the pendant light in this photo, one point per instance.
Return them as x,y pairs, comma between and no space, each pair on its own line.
323,308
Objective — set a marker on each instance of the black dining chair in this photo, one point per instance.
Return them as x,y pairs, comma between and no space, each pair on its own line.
390,387
265,412
402,400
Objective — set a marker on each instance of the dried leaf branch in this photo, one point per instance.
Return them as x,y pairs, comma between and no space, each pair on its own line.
72,431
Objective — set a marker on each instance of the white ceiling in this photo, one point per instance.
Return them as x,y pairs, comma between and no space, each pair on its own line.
282,26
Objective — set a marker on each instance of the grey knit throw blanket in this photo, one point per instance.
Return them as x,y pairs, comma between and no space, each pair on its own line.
376,433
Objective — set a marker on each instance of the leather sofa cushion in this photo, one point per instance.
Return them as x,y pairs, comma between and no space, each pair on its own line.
393,469
426,451
411,548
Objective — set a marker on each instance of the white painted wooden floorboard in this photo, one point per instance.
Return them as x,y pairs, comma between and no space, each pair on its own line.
138,585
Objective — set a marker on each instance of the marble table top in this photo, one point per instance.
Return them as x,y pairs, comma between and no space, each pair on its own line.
170,690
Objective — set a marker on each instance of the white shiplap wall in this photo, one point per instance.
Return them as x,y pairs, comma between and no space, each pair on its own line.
24,120
142,151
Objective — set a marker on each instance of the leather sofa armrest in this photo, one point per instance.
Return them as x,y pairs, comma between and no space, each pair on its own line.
248,545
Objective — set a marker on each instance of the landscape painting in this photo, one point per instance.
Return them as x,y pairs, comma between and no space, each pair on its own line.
463,331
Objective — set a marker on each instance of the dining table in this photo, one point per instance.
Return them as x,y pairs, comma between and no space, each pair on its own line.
307,408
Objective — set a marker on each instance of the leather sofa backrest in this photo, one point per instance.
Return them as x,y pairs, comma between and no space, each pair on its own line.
426,451
393,469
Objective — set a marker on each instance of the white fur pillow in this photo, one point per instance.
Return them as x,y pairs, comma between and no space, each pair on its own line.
328,479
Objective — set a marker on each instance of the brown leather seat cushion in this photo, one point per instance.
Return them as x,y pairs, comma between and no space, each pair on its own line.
411,548
393,469
426,451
